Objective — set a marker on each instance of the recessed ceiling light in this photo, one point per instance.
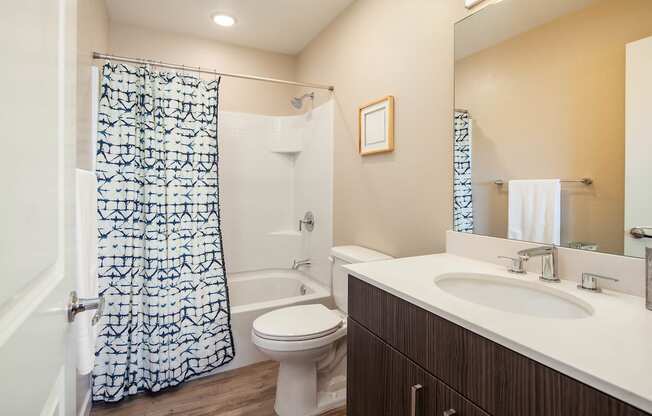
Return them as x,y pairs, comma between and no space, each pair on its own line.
223,20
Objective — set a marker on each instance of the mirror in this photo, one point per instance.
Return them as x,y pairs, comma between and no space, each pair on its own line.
553,123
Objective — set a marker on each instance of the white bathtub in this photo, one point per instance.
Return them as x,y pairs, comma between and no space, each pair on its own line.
252,294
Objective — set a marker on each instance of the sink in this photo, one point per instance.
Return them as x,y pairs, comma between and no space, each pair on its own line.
512,295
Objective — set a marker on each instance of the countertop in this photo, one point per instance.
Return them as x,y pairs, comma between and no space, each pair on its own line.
610,350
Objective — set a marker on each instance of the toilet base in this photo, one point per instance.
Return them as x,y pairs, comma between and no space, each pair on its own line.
296,397
303,391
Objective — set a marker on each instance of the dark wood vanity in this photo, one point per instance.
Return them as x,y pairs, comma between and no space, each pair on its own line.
404,360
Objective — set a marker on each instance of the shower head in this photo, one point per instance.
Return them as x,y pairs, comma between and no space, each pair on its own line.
297,102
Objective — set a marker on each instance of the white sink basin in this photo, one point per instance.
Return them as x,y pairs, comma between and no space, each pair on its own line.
512,295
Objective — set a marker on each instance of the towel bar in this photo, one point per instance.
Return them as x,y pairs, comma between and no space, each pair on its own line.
585,181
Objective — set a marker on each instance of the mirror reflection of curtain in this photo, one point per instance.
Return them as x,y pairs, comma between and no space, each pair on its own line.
462,178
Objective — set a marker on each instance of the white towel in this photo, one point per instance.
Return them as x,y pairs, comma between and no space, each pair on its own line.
86,253
535,210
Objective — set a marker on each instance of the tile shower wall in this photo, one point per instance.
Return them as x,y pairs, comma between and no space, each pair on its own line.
272,170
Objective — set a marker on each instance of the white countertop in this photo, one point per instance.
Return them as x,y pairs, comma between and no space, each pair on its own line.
610,350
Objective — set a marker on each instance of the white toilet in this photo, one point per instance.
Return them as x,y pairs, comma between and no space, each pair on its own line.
310,344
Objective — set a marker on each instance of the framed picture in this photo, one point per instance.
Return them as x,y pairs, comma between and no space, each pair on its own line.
376,126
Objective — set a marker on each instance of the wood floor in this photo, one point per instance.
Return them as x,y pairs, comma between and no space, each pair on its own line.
242,392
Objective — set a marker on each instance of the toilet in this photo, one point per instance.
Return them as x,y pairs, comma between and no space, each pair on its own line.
309,342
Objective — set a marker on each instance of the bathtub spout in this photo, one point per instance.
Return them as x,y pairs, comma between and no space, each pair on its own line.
298,263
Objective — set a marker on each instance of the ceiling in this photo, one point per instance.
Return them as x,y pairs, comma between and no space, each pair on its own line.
506,19
284,26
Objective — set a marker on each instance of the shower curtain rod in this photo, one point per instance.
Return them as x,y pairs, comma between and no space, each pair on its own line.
98,55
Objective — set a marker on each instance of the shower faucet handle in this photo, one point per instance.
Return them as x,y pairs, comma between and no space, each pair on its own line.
308,220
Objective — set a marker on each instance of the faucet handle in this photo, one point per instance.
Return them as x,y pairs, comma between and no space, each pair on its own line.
590,281
517,264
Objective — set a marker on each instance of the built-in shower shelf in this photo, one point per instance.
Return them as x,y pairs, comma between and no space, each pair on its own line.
285,233
286,151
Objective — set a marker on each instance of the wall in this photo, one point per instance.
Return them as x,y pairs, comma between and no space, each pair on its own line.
235,94
93,30
398,203
550,103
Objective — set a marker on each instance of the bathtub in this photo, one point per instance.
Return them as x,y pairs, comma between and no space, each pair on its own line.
252,294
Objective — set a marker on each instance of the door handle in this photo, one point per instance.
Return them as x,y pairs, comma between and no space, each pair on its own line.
450,412
414,390
78,305
641,232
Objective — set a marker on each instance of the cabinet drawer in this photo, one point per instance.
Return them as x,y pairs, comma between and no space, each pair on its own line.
380,381
495,378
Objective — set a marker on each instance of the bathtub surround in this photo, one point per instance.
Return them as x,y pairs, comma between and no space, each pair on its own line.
161,266
274,169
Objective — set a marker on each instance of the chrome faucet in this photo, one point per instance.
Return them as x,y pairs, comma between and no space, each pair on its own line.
298,263
648,278
548,261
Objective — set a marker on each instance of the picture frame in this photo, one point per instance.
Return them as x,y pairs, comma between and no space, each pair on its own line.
376,126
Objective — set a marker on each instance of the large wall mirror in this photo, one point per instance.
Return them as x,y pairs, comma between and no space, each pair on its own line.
553,123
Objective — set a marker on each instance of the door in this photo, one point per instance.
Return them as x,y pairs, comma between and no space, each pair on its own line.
38,47
638,145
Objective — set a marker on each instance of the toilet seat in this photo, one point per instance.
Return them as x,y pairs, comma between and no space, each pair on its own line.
282,330
297,323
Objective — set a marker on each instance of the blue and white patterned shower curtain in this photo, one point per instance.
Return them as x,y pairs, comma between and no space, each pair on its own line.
161,266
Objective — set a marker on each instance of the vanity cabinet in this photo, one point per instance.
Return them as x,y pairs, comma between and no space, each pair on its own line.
394,345
382,381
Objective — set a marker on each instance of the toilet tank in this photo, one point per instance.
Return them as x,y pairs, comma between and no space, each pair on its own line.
341,256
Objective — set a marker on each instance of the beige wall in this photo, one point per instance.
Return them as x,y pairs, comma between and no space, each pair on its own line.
551,104
93,34
235,94
399,203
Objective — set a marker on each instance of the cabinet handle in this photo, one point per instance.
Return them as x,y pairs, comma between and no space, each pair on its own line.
413,398
450,412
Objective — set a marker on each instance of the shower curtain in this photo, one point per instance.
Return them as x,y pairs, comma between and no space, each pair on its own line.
462,173
160,263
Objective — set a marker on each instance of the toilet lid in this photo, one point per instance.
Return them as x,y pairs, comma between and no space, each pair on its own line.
297,323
